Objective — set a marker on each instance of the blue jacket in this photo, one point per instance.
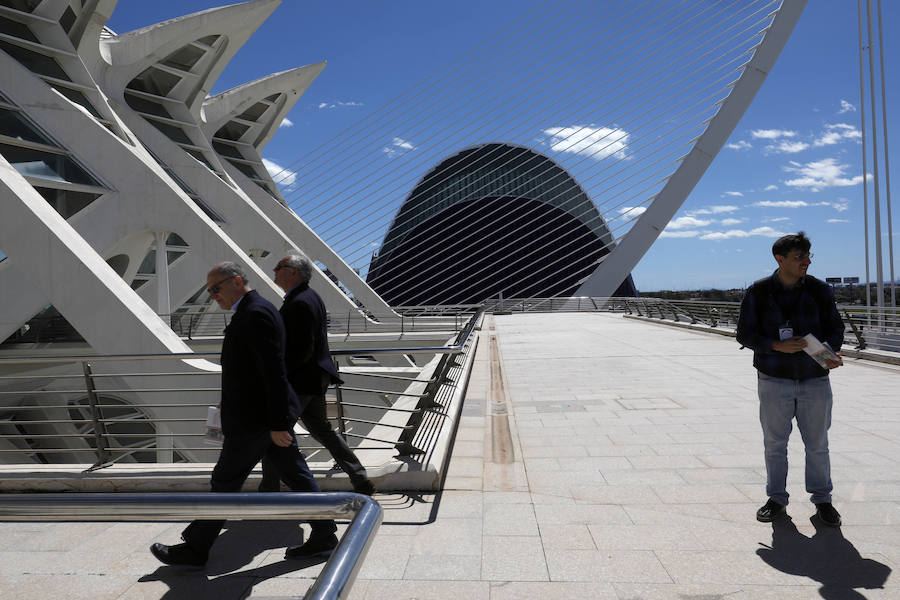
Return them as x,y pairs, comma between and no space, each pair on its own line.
763,312
256,395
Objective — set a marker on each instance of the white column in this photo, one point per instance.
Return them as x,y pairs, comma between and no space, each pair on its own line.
162,275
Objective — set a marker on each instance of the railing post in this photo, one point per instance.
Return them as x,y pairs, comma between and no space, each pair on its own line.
96,417
348,322
861,341
342,428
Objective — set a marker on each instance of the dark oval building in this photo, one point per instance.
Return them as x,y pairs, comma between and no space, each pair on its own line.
492,219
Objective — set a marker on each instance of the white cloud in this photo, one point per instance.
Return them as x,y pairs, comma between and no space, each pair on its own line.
775,219
741,145
846,107
786,147
678,234
732,194
820,174
687,222
837,221
338,104
740,233
771,134
715,210
279,174
396,146
587,140
285,122
835,132
769,188
840,206
728,222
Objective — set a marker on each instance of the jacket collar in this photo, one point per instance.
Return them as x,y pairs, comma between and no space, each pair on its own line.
296,290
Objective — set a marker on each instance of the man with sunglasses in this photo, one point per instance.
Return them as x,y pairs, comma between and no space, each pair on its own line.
776,313
259,410
310,368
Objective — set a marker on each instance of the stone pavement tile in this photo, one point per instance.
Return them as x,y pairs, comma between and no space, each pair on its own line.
645,537
465,466
718,591
45,537
13,562
533,451
661,514
567,537
468,448
594,463
428,590
504,477
643,476
553,497
456,504
613,450
698,494
625,439
74,586
387,557
615,494
449,536
545,482
557,590
464,483
509,520
666,462
605,566
506,498
699,450
283,587
581,514
724,567
514,558
753,478
751,460
541,464
447,567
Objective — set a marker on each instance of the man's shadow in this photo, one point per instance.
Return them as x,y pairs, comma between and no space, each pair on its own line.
826,557
236,547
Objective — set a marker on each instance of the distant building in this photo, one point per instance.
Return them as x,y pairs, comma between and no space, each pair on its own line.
492,219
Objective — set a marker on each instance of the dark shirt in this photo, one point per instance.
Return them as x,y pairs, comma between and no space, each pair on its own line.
807,307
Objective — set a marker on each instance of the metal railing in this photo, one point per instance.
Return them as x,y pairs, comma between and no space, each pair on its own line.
334,581
88,415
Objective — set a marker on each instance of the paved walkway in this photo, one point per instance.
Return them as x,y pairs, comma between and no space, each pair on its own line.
619,460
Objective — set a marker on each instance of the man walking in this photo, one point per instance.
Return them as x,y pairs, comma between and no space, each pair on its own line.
310,368
776,313
259,409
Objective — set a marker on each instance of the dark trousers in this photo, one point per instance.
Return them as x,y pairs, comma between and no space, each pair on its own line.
240,453
315,420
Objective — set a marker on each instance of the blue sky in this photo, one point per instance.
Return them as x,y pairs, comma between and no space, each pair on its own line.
793,162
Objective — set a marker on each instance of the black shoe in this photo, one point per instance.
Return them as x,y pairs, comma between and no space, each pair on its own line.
179,554
829,514
769,511
366,487
316,545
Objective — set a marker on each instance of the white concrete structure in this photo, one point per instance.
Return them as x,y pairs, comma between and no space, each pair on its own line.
122,181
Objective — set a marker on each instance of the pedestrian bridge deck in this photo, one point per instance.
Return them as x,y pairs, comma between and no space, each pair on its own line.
606,458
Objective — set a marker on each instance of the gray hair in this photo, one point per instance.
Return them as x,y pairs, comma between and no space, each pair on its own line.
297,260
230,269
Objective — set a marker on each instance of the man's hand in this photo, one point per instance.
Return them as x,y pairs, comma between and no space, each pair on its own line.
281,438
834,364
790,345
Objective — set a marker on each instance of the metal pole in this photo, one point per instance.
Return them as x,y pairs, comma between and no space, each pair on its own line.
879,271
339,401
97,418
862,117
887,160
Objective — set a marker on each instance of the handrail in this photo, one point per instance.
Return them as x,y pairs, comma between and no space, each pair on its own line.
334,581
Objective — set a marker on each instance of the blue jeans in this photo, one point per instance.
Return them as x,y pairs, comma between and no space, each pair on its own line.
809,401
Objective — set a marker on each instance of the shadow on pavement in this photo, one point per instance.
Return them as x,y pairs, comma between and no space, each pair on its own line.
235,548
827,557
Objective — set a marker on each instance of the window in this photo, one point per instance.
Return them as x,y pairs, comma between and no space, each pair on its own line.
14,125
44,165
67,202
34,61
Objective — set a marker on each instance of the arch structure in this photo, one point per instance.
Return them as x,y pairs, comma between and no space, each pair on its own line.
544,237
122,180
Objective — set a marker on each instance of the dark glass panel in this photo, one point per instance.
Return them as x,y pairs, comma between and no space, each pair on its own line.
148,265
16,29
176,134
154,81
254,112
13,124
43,165
66,202
145,105
184,58
245,169
68,19
175,240
34,61
232,131
78,98
227,150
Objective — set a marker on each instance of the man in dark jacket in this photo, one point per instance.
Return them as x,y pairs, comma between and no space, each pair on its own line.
777,312
259,409
310,368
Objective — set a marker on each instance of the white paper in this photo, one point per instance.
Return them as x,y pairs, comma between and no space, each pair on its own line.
820,352
214,433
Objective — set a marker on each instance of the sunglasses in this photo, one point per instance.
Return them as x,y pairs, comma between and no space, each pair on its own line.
215,289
